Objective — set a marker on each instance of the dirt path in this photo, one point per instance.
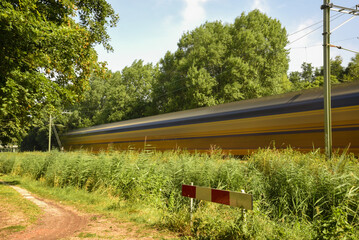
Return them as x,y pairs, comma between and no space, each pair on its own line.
57,221
63,222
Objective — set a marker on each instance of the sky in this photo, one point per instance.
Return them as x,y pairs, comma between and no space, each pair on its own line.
147,29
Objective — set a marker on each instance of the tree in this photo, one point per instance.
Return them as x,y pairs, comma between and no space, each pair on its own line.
352,71
47,57
318,82
92,110
217,63
115,96
311,77
307,72
131,99
336,68
296,79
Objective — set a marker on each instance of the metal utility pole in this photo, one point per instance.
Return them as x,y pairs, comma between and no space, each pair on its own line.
57,137
327,87
326,7
50,123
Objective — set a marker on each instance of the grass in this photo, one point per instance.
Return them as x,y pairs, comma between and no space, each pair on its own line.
14,228
87,235
296,195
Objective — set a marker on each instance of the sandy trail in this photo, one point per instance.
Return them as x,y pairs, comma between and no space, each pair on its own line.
63,222
57,221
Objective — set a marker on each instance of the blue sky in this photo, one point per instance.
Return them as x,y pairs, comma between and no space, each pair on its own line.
149,28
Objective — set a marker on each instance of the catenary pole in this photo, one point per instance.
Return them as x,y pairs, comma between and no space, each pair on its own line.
327,88
50,122
57,137
326,7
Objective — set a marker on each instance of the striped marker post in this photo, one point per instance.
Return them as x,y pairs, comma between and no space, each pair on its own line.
234,199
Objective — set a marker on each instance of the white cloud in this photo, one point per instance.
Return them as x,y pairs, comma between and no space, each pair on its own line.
193,14
261,5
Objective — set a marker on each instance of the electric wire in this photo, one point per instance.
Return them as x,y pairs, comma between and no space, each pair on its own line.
300,30
319,45
336,16
305,28
304,35
346,49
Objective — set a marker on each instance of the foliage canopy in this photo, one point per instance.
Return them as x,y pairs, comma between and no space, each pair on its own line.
47,55
217,63
116,96
311,77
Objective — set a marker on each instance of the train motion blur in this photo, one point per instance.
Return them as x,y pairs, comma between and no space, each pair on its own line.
289,120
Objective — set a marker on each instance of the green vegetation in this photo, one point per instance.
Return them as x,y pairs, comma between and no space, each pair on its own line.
296,196
215,63
218,63
49,66
87,235
118,96
311,77
46,58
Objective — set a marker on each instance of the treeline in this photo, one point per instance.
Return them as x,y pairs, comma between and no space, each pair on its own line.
215,63
139,91
311,77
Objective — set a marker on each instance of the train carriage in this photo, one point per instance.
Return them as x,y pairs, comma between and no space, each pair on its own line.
294,119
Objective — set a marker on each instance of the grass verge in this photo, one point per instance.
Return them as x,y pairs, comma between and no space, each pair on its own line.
296,195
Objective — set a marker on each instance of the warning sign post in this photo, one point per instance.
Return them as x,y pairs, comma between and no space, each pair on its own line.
234,199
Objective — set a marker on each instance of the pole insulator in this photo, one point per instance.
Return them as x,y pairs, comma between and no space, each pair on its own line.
328,5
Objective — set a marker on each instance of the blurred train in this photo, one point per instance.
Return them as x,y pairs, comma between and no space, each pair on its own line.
294,119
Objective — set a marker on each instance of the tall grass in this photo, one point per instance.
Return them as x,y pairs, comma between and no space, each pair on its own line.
296,195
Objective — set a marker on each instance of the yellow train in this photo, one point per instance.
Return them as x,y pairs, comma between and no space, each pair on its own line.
294,119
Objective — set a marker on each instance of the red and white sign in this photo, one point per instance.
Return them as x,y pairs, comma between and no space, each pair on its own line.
234,199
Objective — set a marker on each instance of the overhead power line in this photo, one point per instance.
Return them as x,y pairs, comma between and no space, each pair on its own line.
300,30
340,14
340,47
342,24
320,45
305,35
346,39
312,25
334,17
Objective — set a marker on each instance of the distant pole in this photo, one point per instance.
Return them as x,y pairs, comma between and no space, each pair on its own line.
57,137
50,133
327,88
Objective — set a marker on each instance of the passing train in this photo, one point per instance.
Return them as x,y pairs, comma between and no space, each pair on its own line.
294,119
